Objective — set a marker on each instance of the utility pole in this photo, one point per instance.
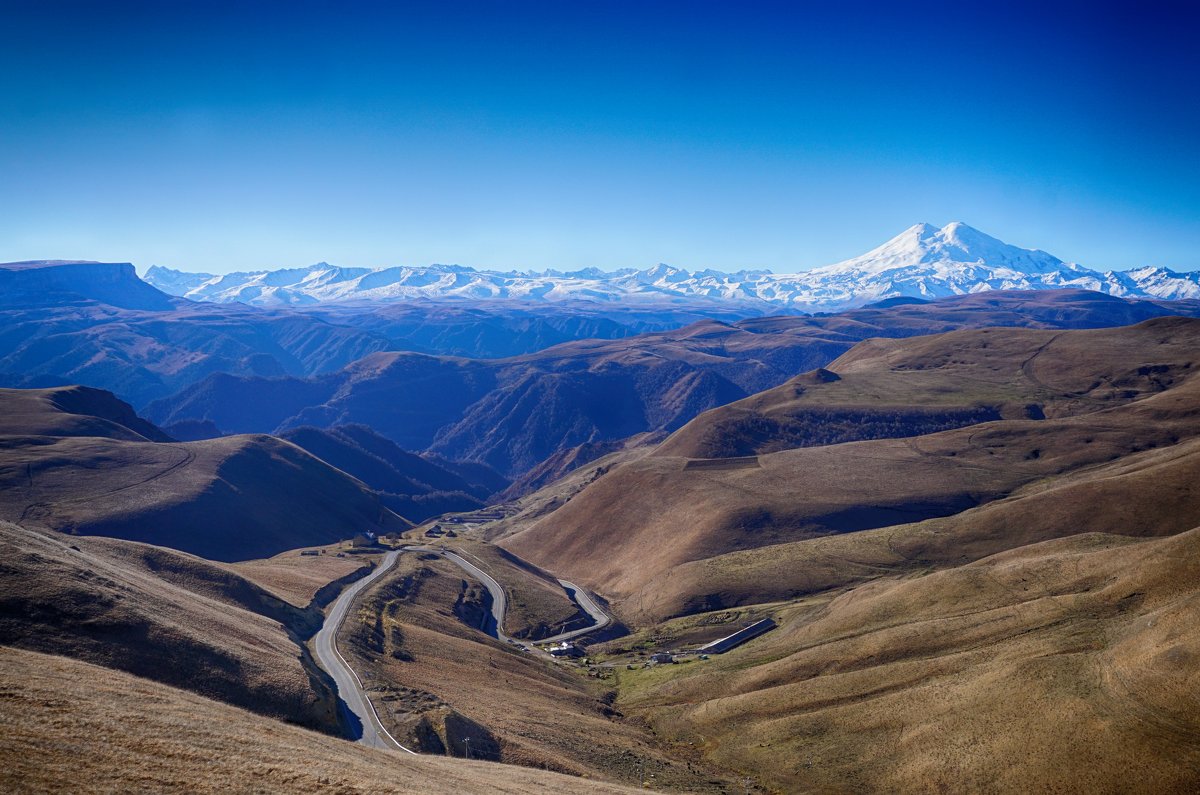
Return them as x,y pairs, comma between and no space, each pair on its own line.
467,740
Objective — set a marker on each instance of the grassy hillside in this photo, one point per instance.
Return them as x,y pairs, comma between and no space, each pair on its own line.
299,575
1067,665
892,388
163,615
1146,494
407,483
74,411
71,726
629,530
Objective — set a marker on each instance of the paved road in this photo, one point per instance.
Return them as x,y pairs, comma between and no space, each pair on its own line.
600,619
349,687
494,626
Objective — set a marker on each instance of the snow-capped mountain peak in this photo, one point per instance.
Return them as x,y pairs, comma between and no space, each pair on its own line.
923,261
1155,281
924,247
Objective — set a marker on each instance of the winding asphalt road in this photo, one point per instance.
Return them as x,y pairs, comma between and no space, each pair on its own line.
349,686
581,597
584,599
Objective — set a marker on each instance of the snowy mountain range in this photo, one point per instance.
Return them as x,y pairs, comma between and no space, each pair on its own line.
921,262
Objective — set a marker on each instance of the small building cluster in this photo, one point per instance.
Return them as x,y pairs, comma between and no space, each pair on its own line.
363,539
565,649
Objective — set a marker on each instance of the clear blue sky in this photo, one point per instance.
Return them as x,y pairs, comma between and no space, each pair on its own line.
530,135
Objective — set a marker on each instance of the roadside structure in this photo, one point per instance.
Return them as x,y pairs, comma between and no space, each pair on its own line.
738,638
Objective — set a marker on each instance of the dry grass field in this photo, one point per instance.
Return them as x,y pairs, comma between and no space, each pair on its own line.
68,726
1149,493
74,411
295,577
1064,666
888,388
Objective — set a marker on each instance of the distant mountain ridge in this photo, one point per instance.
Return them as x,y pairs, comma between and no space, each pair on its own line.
97,323
516,413
923,261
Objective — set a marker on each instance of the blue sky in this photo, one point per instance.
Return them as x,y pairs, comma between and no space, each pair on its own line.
220,137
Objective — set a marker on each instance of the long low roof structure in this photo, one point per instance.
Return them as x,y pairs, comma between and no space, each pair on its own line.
738,638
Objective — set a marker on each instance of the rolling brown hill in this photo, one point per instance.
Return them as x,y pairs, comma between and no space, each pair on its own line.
1143,494
1066,665
231,498
1008,606
562,463
892,388
1108,395
71,726
517,412
163,615
74,411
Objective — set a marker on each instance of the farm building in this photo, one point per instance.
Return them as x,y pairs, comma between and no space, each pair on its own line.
738,638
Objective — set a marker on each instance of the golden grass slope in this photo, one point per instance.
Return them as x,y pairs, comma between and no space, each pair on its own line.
68,726
1152,493
637,525
297,578
1065,666
908,387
